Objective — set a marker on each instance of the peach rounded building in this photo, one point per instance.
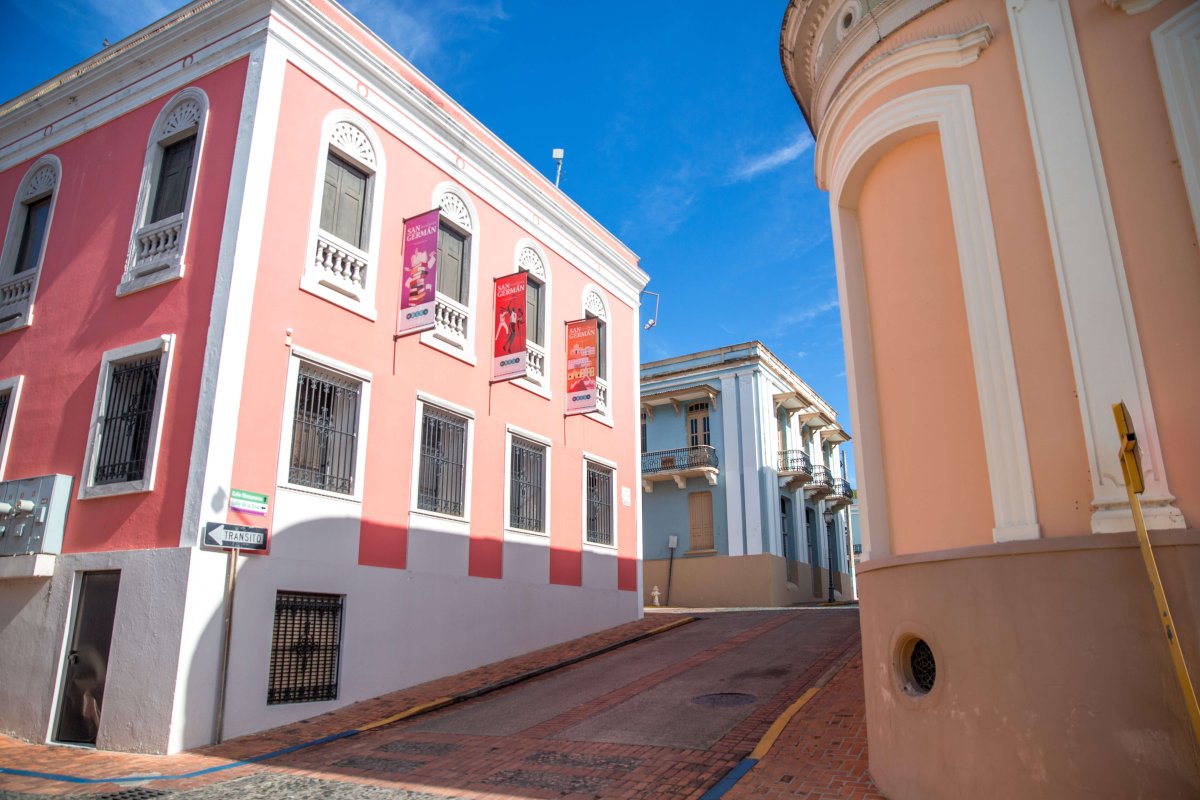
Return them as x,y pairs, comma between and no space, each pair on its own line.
1015,198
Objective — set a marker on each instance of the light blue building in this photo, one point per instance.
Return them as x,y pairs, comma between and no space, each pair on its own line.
744,484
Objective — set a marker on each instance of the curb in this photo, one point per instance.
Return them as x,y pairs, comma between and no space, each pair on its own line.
768,739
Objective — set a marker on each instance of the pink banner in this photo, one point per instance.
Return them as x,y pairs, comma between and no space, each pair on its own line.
582,338
418,273
509,357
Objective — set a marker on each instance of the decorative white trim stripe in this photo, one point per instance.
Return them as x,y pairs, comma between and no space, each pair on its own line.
731,470
1101,329
210,473
1177,51
949,112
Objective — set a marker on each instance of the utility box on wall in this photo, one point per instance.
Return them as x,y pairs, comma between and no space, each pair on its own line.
33,514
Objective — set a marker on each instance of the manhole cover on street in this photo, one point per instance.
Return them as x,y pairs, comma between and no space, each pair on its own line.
724,700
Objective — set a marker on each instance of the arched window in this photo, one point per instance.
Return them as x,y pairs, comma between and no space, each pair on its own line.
531,259
347,210
454,311
164,206
595,306
25,241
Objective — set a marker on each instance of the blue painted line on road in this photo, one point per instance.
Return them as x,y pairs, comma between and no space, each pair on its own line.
54,776
731,778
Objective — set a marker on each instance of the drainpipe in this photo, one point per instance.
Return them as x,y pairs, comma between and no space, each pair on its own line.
672,543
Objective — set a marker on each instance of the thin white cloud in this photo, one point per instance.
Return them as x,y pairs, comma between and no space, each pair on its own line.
754,166
790,319
421,31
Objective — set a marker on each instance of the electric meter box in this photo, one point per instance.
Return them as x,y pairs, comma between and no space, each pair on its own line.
33,514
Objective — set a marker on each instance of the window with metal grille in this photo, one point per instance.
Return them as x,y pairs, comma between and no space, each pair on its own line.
124,429
527,485
306,647
599,504
442,478
325,431
5,399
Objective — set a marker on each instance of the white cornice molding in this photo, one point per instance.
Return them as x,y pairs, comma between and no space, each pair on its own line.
936,52
85,98
1177,52
378,90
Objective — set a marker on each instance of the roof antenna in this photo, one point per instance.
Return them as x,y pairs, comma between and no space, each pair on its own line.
557,155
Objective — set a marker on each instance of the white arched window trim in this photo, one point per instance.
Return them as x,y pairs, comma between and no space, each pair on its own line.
528,256
156,249
595,304
17,291
454,330
337,270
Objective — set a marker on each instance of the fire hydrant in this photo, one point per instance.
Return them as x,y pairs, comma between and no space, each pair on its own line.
656,594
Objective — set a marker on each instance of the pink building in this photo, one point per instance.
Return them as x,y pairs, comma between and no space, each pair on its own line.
199,291
1015,197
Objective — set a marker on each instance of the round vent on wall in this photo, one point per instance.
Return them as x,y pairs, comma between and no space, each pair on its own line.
917,666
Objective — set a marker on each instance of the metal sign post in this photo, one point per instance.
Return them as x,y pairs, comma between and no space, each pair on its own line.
232,539
230,585
1131,469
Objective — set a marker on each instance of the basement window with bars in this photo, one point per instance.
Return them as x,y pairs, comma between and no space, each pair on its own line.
527,485
306,646
325,431
442,473
599,528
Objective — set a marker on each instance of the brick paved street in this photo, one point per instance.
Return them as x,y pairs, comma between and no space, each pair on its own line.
665,717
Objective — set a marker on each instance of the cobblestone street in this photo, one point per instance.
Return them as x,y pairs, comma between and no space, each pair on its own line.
664,717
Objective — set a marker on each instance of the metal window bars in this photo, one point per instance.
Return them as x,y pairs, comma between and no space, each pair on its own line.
527,486
125,426
324,431
306,646
599,504
441,484
5,399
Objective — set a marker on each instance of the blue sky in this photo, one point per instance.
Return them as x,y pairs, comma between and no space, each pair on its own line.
680,134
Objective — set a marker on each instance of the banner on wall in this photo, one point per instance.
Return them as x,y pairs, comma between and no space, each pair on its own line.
418,273
509,357
582,340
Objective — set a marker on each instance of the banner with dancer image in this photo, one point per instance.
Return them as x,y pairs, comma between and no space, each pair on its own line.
418,273
508,345
582,340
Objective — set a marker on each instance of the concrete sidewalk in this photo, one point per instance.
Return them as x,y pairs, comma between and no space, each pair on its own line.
821,754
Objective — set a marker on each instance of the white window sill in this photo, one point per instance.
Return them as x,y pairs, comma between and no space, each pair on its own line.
361,304
444,523
533,387
522,536
450,348
315,492
115,489
147,278
603,419
603,549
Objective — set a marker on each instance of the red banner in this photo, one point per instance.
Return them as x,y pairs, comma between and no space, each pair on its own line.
582,340
418,273
508,345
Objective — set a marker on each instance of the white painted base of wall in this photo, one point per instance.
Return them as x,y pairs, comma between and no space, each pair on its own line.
400,628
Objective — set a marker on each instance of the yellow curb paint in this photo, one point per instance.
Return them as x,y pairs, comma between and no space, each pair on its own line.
432,705
670,625
768,740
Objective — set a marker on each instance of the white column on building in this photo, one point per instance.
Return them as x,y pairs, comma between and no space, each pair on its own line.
730,467
749,457
1101,330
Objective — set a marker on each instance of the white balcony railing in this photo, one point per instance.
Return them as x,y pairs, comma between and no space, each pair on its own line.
157,245
16,296
340,266
451,320
535,362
